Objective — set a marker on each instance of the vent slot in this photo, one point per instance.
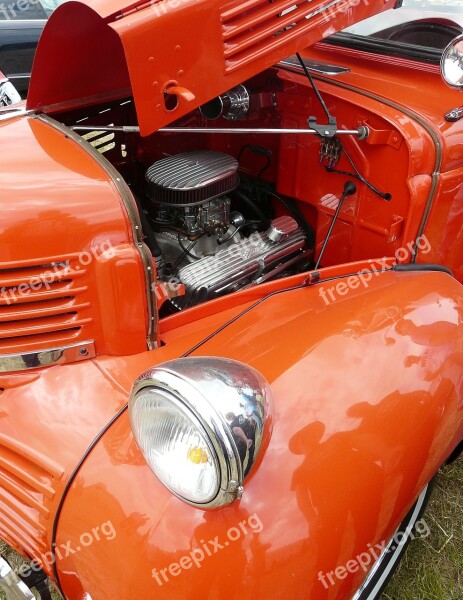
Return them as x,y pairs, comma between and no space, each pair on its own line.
42,305
27,486
101,140
255,28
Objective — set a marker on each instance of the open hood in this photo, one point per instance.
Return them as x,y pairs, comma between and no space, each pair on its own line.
174,55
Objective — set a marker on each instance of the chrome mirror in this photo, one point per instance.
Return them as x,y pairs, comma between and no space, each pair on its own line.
452,63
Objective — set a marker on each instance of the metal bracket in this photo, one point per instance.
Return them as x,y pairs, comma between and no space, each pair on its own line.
11,584
454,115
325,131
38,581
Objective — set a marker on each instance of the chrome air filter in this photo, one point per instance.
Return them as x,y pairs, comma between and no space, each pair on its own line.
191,178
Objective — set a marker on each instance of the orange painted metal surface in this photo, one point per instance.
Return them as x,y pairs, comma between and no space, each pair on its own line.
369,225
34,466
367,379
152,44
420,90
345,435
69,270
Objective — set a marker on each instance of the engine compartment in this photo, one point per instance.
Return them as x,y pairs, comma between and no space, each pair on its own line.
200,242
223,211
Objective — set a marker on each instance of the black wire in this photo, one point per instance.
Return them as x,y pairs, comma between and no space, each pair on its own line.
106,428
267,154
357,175
254,207
241,314
67,487
186,251
98,437
386,196
264,168
236,231
306,283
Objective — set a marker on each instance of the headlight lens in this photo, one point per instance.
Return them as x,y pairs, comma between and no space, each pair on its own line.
175,446
200,424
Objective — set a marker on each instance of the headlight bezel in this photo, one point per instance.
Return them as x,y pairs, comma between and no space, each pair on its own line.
179,405
193,384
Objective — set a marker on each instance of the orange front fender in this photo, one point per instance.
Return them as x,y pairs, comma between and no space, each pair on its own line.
368,404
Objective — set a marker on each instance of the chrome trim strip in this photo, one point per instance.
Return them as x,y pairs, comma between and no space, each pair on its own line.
390,548
10,363
10,112
10,583
291,64
121,128
134,218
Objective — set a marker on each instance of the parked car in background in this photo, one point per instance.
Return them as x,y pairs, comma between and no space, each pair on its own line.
231,299
8,93
21,24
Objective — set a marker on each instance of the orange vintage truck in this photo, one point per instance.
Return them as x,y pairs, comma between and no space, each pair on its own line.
231,301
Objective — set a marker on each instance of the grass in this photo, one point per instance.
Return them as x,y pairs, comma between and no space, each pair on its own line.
432,568
15,561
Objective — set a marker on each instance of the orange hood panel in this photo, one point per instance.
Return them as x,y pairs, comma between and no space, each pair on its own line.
196,49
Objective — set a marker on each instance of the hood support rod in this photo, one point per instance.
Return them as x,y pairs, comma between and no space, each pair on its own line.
362,132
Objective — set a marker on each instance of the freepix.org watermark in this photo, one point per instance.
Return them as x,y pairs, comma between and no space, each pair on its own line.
105,531
196,557
365,560
14,10
378,266
330,10
162,7
243,248
342,6
55,273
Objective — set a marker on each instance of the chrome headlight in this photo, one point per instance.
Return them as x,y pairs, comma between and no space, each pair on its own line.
201,424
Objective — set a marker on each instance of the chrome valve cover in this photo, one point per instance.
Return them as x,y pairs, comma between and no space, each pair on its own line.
248,262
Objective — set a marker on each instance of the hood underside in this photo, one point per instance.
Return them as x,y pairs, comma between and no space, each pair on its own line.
174,53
